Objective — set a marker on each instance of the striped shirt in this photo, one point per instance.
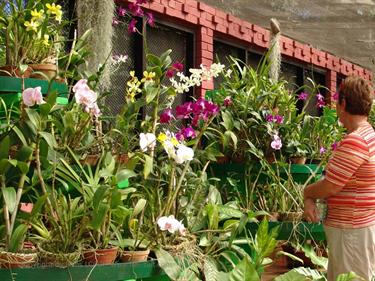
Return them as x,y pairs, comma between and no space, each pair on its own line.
352,167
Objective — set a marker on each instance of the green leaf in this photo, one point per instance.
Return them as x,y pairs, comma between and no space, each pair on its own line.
139,207
52,97
168,264
38,205
151,93
116,199
349,277
153,60
45,109
124,174
210,270
24,153
213,216
300,274
309,251
34,118
9,195
148,166
99,196
228,213
4,148
5,164
20,135
23,167
17,238
244,271
48,137
99,216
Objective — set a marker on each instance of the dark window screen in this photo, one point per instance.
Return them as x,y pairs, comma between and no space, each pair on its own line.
222,54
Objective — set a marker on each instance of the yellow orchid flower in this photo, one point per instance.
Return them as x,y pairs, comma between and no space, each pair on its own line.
148,76
162,137
46,40
32,25
132,73
37,15
174,141
53,9
131,96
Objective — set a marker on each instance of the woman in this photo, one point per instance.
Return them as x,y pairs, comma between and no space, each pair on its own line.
349,187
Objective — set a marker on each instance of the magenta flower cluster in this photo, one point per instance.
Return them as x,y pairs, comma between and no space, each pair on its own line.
303,96
176,67
320,100
135,10
193,113
274,118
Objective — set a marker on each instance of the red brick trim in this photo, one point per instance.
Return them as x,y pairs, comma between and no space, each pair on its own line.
331,81
211,22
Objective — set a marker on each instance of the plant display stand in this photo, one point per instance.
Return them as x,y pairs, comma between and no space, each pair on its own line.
148,270
11,87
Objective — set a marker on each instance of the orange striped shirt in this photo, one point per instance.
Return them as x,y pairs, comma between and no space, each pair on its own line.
352,167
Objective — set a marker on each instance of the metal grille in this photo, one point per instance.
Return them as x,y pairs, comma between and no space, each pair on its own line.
123,44
160,39
289,73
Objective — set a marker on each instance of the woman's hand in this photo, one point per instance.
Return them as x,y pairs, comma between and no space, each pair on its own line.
311,212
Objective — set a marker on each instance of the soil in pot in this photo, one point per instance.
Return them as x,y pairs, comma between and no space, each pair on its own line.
134,256
100,256
17,260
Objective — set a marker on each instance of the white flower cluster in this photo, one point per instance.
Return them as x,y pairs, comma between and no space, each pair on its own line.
171,224
176,150
198,75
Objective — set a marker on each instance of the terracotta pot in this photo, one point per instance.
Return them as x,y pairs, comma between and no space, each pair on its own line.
222,159
90,159
271,158
17,260
297,160
13,71
272,216
100,256
134,256
49,71
57,259
123,158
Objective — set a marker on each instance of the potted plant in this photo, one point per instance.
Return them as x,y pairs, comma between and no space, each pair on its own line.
131,237
33,36
102,204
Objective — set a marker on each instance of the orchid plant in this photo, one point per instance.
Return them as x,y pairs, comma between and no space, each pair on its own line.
168,141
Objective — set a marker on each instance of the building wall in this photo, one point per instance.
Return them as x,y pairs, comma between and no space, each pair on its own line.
210,23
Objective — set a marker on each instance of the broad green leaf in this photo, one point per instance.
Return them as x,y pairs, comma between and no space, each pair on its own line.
99,216
244,271
309,251
213,216
34,117
20,135
148,166
168,264
124,174
349,277
45,109
151,93
17,238
99,196
48,137
210,270
116,199
24,153
139,207
38,205
153,60
301,274
228,213
9,195
23,167
5,164
51,98
4,148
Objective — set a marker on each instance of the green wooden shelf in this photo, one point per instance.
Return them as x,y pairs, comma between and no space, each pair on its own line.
10,89
148,270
